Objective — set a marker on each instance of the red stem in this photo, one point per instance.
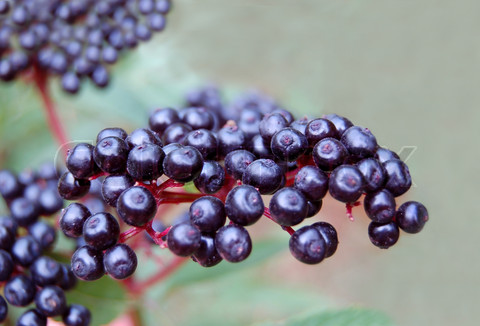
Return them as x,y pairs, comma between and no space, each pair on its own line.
288,229
349,208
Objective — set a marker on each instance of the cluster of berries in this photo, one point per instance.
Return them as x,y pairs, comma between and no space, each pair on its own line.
233,155
27,272
76,38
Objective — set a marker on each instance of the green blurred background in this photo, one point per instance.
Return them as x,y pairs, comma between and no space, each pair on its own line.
408,70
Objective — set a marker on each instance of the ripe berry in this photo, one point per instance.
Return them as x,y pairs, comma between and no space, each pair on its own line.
25,250
411,217
9,223
308,245
398,177
51,301
211,178
32,317
207,254
263,174
204,140
175,133
120,261
271,124
73,218
237,161
374,174
111,154
101,231
319,129
341,123
383,235
207,214
288,144
329,153
313,207
7,238
346,183
233,243
87,263
9,185
45,271
288,207
111,132
71,188
67,280
6,265
136,206
383,155
260,147
113,186
80,161
244,205
183,164
44,233
312,182
142,136
49,201
197,118
145,162
183,239
24,211
300,125
360,142
249,122
76,315
380,206
19,291
230,138
329,234
160,119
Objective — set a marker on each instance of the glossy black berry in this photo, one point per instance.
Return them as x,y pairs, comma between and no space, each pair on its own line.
49,201
205,141
380,206
260,147
9,185
359,142
136,206
329,153
26,250
383,155
45,271
288,144
120,261
308,245
101,231
71,188
183,164
3,309
319,129
233,243
6,265
249,122
170,147
9,223
44,233
67,280
145,162
244,205
313,207
300,125
175,133
211,178
237,161
411,217
398,177
73,218
51,301
374,174
341,123
383,235
329,234
111,132
312,182
346,183
111,154
76,315
207,214
24,211
87,263
263,174
207,254
113,186
7,238
161,119
198,118
80,161
183,239
19,291
142,136
271,124
230,138
288,206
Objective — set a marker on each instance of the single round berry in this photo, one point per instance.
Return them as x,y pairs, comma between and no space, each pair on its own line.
374,174
73,218
19,291
207,214
263,174
308,245
346,183
359,142
3,309
175,133
204,140
113,186
319,129
32,317
329,234
101,231
211,178
76,315
87,263
49,201
233,243
142,136
170,147
45,271
9,186
6,265
383,235
341,123
329,153
312,182
313,207
51,301
9,223
111,132
183,239
44,233
380,206
67,280
111,155
198,118
71,188
260,147
300,125
207,254
288,144
237,161
24,211
411,216
230,138
80,161
288,207
249,122
244,205
25,250
271,124
398,177
161,119
120,261
136,206
383,155
183,164
145,162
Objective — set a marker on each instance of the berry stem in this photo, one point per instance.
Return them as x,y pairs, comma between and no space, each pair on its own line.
124,236
170,183
157,236
55,126
288,229
349,208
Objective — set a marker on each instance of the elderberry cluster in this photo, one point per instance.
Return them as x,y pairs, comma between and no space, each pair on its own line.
75,39
234,155
28,274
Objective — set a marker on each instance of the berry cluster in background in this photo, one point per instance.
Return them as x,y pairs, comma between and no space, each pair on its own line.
74,39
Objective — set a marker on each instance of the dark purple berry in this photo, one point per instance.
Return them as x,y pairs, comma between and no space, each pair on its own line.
233,243
76,315
359,142
145,162
308,245
111,154
7,237
183,164
113,186
383,235
271,124
112,132
207,254
207,214
313,207
261,148
45,271
205,141
329,153
380,206
32,317
398,177
288,207
263,174
346,183
44,233
19,291
288,144
244,205
175,133
51,301
183,239
71,188
312,182
211,178
136,206
80,161
6,265
49,201
67,280
120,261
329,234
374,174
26,250
411,217
383,155
24,211
319,129
142,136
87,263
161,119
198,118
230,138
73,218
9,185
237,161
341,123
101,231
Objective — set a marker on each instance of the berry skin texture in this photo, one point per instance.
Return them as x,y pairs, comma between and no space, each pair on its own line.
288,207
398,177
264,174
411,216
319,129
19,291
380,206
207,254
383,235
183,239
308,245
76,315
374,174
207,214
113,186
329,234
87,264
73,218
237,161
211,178
359,142
145,162
271,124
288,144
80,161
230,138
120,261
136,206
71,188
244,205
3,309
45,271
233,243
312,182
32,317
346,183
51,301
160,119
183,164
101,231
142,136
261,148
329,153
111,154
341,123
203,140
6,265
